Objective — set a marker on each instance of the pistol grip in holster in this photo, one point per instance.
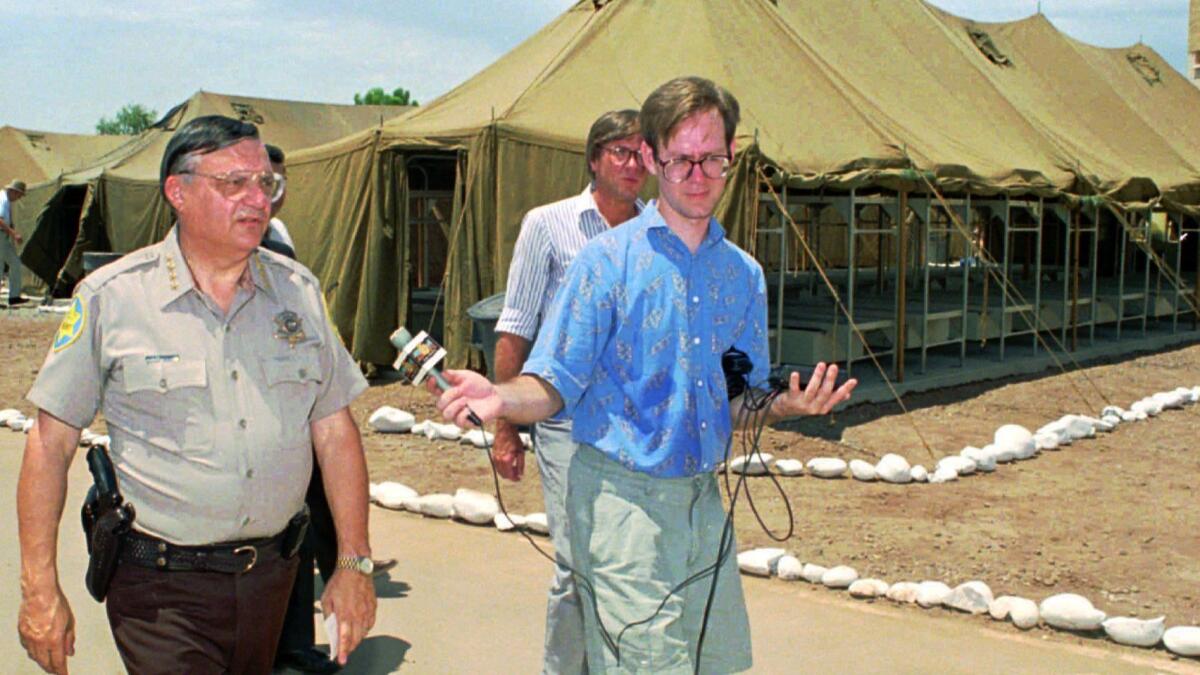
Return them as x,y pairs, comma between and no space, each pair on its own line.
104,546
293,536
106,519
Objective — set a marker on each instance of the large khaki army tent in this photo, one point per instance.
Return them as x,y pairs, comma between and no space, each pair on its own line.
835,96
37,156
114,203
1019,96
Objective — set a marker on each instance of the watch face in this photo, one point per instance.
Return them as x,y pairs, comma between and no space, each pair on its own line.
366,565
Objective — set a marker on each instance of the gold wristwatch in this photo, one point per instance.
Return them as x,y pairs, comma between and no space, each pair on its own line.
358,563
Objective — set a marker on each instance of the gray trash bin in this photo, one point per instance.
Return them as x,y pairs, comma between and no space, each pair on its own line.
484,315
94,260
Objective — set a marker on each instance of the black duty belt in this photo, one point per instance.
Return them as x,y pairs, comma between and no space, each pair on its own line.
234,557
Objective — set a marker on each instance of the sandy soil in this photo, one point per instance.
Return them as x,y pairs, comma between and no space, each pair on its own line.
1113,518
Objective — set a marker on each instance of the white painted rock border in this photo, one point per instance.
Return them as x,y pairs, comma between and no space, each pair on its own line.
1064,611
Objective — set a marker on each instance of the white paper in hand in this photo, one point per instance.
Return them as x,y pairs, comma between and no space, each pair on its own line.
331,633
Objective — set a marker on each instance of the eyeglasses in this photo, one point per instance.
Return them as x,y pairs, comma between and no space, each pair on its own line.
282,180
623,155
236,184
680,169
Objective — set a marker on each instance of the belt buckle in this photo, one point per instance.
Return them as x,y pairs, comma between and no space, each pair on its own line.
253,556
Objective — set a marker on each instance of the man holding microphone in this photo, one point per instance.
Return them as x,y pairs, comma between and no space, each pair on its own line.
631,352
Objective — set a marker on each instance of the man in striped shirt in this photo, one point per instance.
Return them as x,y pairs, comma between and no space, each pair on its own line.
550,237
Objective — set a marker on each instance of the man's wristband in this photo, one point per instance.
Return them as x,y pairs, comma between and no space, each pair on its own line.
356,563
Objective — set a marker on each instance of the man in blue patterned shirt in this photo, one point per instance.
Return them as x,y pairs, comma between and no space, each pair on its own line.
551,235
632,351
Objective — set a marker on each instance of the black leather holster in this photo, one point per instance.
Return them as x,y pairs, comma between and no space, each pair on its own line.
106,520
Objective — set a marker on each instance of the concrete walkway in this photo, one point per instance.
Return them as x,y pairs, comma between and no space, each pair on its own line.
471,600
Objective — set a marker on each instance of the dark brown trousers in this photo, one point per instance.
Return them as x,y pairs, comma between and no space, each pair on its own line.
199,622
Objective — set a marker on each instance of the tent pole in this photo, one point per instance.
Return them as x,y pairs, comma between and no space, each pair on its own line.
901,285
1095,272
966,284
1146,299
783,236
1196,287
1004,273
1121,282
1178,273
852,229
923,259
1077,216
1037,272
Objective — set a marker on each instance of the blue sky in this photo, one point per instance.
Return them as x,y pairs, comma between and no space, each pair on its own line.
69,62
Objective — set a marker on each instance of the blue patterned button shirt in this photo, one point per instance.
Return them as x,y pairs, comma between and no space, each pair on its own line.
633,344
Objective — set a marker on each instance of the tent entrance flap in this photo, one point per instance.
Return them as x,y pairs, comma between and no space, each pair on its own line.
429,205
48,248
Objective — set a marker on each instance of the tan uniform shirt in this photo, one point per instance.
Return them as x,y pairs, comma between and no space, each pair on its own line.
208,412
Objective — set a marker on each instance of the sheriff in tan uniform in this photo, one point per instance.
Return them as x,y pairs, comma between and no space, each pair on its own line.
220,377
208,412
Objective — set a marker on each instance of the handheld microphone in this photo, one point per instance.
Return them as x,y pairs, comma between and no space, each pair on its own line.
418,359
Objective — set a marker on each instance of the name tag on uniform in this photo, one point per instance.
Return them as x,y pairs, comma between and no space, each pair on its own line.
162,358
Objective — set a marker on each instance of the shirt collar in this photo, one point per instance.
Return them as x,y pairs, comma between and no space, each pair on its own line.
586,201
651,219
175,278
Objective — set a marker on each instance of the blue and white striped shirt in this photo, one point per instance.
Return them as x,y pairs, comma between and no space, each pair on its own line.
550,237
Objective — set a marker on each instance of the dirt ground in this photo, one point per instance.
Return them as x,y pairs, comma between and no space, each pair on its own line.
1113,518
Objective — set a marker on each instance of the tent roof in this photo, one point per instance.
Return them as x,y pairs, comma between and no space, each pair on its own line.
1093,107
552,86
834,94
36,156
291,125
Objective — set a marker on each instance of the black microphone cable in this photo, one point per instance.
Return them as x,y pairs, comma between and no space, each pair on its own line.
751,419
736,366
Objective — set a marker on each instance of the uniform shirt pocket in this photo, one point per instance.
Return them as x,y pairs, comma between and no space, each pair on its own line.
294,381
165,401
163,375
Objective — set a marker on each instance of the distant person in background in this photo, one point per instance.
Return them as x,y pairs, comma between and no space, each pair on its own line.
297,641
11,240
278,238
550,237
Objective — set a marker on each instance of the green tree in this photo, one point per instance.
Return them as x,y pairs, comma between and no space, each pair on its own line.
133,118
377,96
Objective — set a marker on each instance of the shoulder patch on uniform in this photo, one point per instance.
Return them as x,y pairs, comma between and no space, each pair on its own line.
71,326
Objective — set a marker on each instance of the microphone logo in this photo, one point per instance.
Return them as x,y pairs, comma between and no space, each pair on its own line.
419,355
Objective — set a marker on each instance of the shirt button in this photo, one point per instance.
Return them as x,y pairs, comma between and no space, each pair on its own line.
699,383
228,328
695,341
249,473
246,520
242,423
233,374
303,373
695,299
704,425
163,383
